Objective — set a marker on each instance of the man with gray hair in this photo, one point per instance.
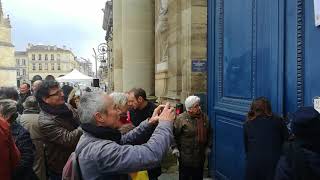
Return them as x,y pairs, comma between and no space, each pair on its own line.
9,153
121,101
193,140
104,153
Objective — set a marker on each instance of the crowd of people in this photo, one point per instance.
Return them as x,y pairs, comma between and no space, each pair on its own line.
120,135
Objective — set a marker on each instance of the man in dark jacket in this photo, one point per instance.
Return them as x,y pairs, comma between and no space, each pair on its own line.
59,126
301,160
24,93
140,110
140,107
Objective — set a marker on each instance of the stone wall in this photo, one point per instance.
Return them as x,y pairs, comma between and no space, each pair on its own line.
181,36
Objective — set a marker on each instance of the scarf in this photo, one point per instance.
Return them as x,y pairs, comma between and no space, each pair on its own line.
102,132
61,111
201,129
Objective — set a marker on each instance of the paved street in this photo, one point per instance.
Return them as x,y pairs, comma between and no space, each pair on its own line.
170,169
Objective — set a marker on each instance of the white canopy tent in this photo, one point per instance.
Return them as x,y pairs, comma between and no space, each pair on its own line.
75,76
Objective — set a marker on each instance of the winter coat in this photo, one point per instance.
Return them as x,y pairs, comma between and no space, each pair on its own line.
9,153
30,121
27,150
298,163
60,137
263,140
192,154
105,159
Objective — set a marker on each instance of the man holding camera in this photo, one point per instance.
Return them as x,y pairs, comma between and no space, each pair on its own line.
106,154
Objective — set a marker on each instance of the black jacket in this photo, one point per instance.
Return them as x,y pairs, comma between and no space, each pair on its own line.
299,162
137,116
263,140
24,143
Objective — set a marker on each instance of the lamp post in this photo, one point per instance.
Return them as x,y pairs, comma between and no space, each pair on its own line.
95,58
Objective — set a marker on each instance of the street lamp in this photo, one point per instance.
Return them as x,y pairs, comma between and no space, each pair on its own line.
95,58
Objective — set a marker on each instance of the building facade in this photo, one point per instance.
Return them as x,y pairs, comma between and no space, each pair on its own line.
7,61
85,66
44,61
159,45
22,66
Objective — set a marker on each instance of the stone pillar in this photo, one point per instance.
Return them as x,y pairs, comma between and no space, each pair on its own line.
138,44
117,46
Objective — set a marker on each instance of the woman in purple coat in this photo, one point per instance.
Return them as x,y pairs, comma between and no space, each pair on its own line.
264,135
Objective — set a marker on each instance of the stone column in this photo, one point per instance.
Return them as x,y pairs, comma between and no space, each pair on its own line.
138,44
117,46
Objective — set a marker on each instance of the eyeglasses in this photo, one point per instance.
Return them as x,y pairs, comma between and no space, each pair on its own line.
56,93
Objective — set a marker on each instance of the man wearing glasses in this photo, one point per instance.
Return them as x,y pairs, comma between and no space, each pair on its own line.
59,125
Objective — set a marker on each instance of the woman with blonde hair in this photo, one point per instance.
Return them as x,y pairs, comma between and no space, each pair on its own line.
264,135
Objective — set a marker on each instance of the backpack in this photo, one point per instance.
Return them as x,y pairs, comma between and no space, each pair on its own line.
71,170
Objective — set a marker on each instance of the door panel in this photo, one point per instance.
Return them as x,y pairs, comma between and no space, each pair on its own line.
245,61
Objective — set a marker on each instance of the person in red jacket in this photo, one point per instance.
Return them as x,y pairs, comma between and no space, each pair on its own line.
9,153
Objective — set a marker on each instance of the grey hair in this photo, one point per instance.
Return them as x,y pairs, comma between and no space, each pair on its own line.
90,103
7,107
31,103
190,101
119,99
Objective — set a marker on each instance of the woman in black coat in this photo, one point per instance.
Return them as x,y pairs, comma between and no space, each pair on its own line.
264,135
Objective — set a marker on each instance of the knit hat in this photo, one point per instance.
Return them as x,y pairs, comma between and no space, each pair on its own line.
306,122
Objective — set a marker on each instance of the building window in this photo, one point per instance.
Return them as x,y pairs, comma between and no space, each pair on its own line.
23,62
18,72
58,57
46,57
40,66
17,62
46,66
52,66
52,57
33,57
33,66
39,57
24,72
59,66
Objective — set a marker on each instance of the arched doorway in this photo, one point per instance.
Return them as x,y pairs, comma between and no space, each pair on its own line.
49,77
36,77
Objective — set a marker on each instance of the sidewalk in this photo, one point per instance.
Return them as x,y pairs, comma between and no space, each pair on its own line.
170,169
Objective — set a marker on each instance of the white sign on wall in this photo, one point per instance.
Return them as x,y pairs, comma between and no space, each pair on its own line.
316,103
317,12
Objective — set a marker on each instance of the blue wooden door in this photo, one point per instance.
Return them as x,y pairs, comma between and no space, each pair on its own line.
246,60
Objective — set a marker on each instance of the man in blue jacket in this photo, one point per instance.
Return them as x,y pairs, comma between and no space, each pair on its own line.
104,154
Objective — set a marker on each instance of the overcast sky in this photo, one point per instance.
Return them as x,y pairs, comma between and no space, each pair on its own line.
74,23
